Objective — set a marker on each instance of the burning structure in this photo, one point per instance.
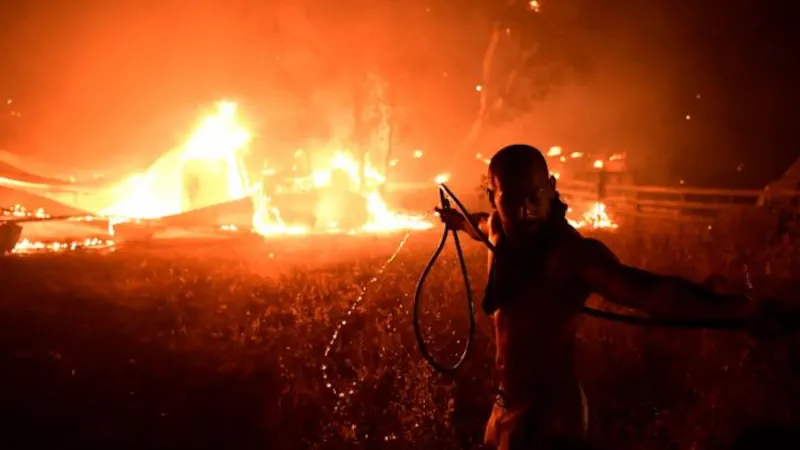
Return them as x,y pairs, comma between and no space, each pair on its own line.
205,182
326,190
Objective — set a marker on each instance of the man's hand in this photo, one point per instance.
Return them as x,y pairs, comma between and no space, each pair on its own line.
452,218
456,221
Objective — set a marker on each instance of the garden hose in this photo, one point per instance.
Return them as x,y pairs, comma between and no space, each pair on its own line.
445,195
423,348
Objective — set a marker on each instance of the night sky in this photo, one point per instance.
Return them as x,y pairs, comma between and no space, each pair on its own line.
98,84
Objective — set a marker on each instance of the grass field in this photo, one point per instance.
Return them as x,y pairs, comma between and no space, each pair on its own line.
222,345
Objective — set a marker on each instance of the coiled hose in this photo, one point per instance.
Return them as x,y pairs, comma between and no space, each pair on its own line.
423,347
445,195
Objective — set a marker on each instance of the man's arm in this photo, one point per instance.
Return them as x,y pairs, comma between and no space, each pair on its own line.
657,295
481,221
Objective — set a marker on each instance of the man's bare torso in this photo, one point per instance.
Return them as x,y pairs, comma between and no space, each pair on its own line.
535,324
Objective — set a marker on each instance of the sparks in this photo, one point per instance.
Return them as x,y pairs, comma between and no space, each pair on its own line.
554,151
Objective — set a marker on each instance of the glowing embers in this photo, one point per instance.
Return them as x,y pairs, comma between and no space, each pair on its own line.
595,217
26,246
19,211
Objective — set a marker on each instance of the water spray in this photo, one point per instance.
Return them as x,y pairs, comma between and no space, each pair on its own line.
446,196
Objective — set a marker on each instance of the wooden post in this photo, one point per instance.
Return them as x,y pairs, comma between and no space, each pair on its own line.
389,145
602,179
359,131
10,233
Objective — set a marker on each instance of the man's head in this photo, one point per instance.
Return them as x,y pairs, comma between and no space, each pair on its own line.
520,187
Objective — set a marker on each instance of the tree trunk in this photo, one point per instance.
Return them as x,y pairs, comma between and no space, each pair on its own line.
359,127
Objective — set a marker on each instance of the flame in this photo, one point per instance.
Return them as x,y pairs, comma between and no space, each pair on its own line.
19,211
595,217
442,178
598,164
554,151
159,192
384,220
26,246
218,136
219,139
355,179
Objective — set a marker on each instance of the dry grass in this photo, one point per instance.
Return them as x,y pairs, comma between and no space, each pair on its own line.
221,345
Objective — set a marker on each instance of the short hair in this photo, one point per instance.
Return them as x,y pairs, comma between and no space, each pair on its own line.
512,160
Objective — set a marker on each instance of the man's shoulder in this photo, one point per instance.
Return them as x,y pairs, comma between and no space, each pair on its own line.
578,248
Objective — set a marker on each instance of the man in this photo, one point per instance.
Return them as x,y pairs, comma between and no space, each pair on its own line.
541,273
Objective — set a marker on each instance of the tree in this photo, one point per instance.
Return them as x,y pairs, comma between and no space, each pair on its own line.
530,51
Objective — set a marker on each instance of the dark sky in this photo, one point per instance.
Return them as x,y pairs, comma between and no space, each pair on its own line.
104,83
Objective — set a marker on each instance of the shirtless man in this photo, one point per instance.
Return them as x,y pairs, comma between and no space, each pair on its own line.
541,274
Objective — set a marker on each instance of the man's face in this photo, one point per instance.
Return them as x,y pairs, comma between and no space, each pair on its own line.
522,201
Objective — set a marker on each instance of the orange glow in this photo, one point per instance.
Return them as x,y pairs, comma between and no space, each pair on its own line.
25,246
346,191
218,139
363,182
211,157
19,211
595,217
554,151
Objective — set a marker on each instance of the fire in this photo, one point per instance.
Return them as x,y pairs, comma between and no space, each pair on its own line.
26,246
217,140
339,179
218,136
598,164
346,191
595,217
554,151
19,211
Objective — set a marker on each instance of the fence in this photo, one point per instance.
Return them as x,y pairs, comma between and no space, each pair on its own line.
627,201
